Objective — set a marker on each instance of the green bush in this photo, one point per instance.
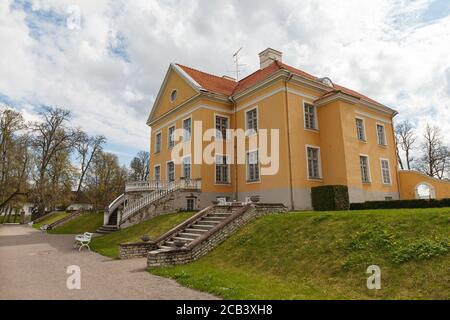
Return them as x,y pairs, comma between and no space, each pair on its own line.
330,198
401,204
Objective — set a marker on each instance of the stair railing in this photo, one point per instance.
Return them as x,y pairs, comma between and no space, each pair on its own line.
112,207
158,194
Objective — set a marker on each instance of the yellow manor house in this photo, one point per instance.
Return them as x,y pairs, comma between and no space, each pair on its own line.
328,135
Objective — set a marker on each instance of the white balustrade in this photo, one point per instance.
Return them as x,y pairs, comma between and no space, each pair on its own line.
159,193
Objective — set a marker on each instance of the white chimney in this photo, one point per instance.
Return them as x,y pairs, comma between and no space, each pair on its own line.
268,56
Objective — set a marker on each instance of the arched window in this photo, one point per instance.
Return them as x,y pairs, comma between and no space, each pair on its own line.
425,191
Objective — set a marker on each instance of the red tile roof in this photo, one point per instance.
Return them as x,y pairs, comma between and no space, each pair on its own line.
228,87
210,82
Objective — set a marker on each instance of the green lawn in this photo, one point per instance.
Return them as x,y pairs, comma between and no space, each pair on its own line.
310,255
50,219
88,222
108,245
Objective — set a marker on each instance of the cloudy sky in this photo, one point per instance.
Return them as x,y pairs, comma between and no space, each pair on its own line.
107,63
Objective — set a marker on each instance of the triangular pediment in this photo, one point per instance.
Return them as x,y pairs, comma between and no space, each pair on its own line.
176,80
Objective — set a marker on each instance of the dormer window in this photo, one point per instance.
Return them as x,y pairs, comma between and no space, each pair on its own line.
173,95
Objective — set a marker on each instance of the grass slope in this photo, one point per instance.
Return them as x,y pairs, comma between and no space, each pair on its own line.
88,222
50,219
311,255
107,245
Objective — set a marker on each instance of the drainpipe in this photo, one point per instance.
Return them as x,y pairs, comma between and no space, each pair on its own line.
235,184
289,141
396,155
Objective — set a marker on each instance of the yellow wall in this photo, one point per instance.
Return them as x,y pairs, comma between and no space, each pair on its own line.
283,109
409,180
184,92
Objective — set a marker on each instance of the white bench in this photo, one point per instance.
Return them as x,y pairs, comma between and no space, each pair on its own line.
83,240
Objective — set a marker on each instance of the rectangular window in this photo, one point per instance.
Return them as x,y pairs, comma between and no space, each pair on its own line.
171,137
310,116
365,171
222,169
381,134
360,129
221,127
252,121
187,126
313,163
385,171
187,167
158,173
252,166
170,171
158,142
190,204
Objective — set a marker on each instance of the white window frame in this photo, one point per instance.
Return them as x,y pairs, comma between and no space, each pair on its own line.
389,171
368,168
182,167
247,130
319,164
384,133
154,171
168,136
227,134
159,133
228,169
174,170
363,127
316,121
176,95
182,126
247,167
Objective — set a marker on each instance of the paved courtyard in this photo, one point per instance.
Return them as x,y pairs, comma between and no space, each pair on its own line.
33,266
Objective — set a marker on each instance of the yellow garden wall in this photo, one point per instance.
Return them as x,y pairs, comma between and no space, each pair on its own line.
409,180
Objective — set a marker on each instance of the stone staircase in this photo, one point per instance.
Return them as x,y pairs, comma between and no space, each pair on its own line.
201,226
111,226
204,231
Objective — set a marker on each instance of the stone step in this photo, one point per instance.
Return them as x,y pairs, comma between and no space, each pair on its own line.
189,235
183,239
210,222
109,227
220,214
214,218
166,247
198,231
200,225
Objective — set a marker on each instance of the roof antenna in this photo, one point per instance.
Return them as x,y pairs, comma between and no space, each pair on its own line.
237,64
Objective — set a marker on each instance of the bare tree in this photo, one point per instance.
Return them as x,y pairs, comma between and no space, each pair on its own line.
140,166
51,136
435,157
406,139
87,148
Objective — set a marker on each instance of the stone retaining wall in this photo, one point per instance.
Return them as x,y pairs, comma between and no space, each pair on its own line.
136,249
189,254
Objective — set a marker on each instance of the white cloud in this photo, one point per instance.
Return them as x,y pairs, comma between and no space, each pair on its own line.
109,72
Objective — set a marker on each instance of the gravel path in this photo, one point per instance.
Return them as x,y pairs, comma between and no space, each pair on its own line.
33,266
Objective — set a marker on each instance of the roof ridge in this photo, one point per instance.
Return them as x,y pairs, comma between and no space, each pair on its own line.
209,74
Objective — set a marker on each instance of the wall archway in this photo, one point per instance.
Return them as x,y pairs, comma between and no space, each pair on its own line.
425,190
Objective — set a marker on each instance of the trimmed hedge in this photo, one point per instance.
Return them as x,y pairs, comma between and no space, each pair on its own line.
401,204
330,198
